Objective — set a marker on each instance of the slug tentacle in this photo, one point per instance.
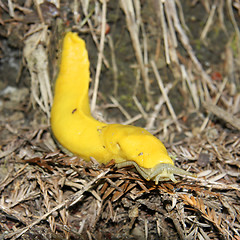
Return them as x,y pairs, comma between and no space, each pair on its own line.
77,131
161,172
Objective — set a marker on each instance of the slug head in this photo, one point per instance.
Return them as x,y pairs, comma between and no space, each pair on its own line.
135,146
161,172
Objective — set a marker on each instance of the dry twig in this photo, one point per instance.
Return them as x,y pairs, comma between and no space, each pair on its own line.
132,25
161,86
100,55
222,114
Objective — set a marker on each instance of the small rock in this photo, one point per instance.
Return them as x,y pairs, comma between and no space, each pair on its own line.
203,159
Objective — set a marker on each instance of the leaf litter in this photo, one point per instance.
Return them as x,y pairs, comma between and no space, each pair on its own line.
48,194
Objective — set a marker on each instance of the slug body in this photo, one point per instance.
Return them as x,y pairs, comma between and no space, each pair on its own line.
76,130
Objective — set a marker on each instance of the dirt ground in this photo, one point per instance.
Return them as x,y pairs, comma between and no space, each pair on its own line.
172,67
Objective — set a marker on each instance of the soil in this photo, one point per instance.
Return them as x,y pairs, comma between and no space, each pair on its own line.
46,194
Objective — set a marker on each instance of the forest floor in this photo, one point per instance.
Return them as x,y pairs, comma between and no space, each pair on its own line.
172,67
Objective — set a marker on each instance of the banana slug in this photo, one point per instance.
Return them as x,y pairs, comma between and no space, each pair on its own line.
76,130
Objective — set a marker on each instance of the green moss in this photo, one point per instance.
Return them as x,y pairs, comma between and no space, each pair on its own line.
235,45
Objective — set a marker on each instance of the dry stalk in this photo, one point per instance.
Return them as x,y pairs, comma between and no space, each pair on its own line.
172,40
164,127
146,228
181,15
222,114
172,32
39,11
137,83
144,35
233,20
120,107
76,14
164,28
165,96
205,122
37,61
192,86
114,66
92,29
153,116
209,21
236,104
221,15
11,9
171,8
133,119
140,107
132,25
100,55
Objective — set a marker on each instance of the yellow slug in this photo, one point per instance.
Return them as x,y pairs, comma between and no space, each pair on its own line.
76,130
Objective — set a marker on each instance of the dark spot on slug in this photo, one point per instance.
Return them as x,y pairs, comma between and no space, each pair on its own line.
140,154
104,147
100,129
74,110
